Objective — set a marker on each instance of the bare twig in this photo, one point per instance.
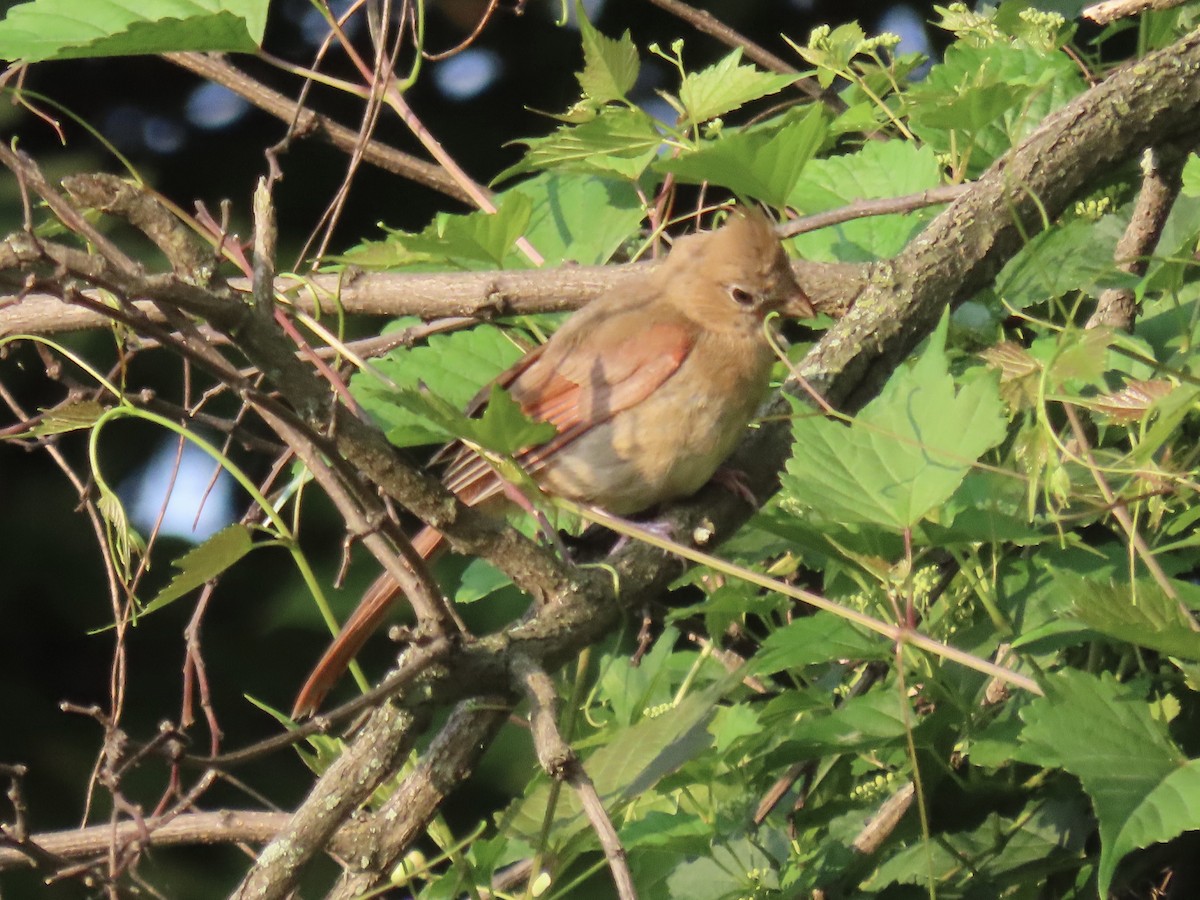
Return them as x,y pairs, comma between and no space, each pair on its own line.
560,762
1162,176
881,825
227,827
216,68
704,21
861,209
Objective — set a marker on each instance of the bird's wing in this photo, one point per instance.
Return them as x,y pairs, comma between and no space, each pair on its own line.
575,391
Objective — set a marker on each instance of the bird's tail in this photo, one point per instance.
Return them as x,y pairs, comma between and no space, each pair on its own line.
363,622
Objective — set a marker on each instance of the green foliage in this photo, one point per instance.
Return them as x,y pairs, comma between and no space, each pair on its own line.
67,29
1021,495
904,454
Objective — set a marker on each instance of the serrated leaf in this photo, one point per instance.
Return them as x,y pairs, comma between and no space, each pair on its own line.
754,163
867,722
819,638
71,29
203,563
619,140
1134,401
981,100
1105,735
504,428
68,417
1020,373
578,217
1139,613
725,86
453,367
1075,256
632,762
610,65
904,454
472,241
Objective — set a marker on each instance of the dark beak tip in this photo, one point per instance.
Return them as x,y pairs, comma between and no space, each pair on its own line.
799,306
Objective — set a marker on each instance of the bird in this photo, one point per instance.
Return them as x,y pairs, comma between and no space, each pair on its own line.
649,387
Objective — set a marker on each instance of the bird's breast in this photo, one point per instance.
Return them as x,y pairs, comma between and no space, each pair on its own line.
670,444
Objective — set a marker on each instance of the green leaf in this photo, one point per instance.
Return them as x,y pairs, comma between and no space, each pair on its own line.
454,368
473,241
880,169
1075,256
982,100
479,579
755,163
629,764
860,723
821,637
579,217
610,65
204,562
618,141
1141,786
70,29
502,428
725,86
68,417
1140,613
904,454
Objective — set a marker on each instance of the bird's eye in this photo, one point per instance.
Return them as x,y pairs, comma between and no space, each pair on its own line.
741,296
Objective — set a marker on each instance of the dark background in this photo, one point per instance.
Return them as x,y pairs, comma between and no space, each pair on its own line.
262,632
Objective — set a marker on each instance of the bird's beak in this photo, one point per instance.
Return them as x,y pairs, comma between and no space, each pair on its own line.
797,305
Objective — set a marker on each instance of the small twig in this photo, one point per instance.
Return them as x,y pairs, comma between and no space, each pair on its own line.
561,764
1111,10
224,827
1120,512
215,68
861,209
1162,177
704,21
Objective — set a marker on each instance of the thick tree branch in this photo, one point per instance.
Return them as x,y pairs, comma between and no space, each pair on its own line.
832,286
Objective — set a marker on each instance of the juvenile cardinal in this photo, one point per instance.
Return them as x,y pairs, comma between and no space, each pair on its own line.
650,387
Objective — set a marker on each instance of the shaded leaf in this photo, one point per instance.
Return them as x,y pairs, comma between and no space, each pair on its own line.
1105,735
821,637
755,163
203,563
68,417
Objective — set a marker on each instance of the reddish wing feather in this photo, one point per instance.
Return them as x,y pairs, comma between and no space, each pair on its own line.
585,390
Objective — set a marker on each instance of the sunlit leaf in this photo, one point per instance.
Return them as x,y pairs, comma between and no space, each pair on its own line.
69,29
